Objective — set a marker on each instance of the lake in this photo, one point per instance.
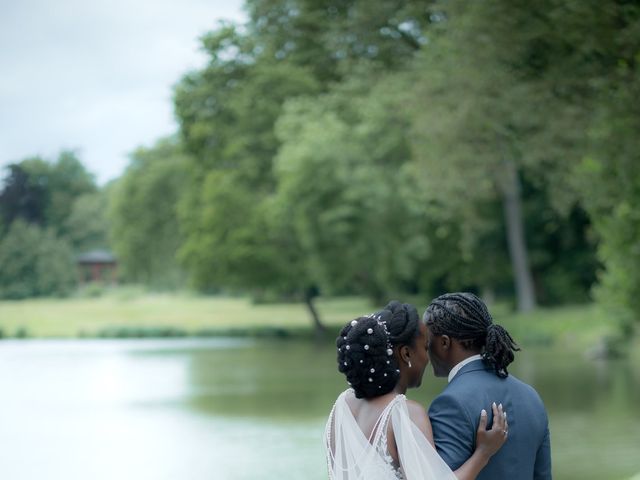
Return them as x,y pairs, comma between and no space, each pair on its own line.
231,409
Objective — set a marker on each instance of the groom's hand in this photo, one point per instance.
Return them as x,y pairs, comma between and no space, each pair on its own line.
489,441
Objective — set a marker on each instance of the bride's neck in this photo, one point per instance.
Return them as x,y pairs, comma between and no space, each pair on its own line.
400,388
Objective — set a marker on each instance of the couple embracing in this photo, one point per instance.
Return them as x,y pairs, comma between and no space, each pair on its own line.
486,424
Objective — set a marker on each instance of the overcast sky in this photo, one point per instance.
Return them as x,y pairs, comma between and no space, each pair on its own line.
96,75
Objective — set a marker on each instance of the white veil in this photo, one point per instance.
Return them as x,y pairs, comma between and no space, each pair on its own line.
351,456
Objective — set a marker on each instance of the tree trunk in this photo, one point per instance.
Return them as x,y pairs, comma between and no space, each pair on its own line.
512,204
320,329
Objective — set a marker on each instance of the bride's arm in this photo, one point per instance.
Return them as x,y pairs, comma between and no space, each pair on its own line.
488,442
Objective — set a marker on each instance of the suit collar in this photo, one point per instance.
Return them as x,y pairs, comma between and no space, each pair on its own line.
472,366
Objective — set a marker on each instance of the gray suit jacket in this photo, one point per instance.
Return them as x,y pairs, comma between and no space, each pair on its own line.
455,415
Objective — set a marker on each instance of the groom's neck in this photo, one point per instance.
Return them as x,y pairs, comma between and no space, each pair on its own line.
460,353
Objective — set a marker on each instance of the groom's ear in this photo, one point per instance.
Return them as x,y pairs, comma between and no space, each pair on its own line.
445,342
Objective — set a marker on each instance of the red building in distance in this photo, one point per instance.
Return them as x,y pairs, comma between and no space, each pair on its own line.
97,266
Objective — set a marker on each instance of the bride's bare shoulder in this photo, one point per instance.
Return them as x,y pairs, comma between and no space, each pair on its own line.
419,417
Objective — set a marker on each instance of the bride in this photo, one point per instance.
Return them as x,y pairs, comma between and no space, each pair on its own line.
373,431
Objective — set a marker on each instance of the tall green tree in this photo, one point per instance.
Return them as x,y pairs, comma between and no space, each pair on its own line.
471,121
234,237
143,215
238,232
609,174
342,173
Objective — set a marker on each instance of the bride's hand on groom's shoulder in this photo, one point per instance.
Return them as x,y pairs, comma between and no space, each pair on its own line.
488,442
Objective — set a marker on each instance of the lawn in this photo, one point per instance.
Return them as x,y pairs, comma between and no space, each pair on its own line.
129,313
189,313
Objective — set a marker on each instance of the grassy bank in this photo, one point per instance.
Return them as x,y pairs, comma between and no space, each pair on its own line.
177,313
123,313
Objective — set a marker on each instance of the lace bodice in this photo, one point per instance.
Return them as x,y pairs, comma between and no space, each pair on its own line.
391,470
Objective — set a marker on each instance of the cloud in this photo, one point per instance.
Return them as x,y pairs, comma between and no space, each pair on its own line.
96,76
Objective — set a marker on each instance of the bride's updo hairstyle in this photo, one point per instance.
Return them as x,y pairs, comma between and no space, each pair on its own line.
365,348
465,317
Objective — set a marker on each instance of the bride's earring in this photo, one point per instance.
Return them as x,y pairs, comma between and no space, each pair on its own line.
409,363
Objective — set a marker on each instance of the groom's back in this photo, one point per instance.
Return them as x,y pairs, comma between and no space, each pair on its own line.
456,412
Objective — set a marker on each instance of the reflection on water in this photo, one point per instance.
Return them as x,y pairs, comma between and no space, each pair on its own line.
239,409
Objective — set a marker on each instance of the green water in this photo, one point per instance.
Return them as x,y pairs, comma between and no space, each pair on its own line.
239,410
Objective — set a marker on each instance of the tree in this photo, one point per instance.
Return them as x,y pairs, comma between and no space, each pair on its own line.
22,197
610,176
479,133
34,262
67,180
43,193
342,174
330,37
581,64
288,49
143,214
227,112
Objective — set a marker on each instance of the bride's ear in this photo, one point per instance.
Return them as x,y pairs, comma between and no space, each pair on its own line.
405,354
445,342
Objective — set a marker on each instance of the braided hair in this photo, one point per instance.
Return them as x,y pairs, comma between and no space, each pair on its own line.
365,348
465,317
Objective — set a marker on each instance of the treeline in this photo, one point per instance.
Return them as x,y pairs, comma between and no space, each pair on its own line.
399,147
50,211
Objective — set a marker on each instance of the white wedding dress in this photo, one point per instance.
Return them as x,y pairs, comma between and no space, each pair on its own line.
353,456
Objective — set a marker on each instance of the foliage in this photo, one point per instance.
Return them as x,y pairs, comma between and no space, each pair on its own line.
47,213
45,193
87,224
331,37
444,127
344,182
22,197
246,235
142,211
34,262
611,176
61,183
67,180
227,113
491,91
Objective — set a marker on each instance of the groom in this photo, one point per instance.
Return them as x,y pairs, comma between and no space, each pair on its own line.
467,347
